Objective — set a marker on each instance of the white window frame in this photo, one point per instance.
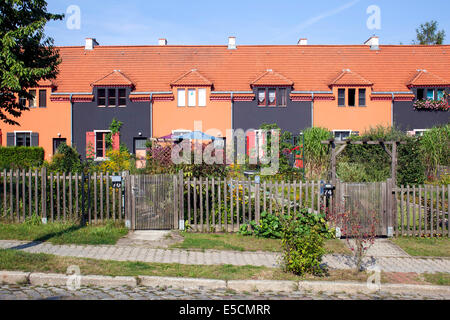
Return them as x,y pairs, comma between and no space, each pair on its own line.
420,131
202,97
180,132
347,130
15,137
192,102
100,159
179,91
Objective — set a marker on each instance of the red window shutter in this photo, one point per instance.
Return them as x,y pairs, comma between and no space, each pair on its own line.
251,144
90,145
116,141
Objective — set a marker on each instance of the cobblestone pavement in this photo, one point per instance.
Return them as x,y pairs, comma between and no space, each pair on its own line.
211,257
147,293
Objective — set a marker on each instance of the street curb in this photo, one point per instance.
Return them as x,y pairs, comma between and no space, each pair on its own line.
14,277
40,279
262,285
182,283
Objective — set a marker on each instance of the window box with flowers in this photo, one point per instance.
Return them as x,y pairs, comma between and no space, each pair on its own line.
433,105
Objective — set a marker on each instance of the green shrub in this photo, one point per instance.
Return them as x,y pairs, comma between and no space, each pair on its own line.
302,252
65,160
351,172
271,226
435,150
21,157
317,155
411,169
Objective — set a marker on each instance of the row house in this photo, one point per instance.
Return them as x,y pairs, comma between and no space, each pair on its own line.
163,90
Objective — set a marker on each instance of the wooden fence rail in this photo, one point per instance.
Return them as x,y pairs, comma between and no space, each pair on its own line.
217,205
422,210
58,197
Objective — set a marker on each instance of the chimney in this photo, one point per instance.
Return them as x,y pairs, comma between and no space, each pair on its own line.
162,42
373,42
91,43
231,43
302,42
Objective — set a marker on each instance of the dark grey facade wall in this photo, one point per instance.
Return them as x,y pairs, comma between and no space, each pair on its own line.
88,117
295,117
406,118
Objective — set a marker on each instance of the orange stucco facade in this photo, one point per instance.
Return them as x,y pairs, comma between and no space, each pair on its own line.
215,117
328,114
50,122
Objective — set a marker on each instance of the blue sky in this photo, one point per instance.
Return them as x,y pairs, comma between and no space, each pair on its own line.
200,22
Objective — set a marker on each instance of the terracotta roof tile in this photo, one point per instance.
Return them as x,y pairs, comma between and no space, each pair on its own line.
425,78
115,78
349,78
311,68
271,78
192,78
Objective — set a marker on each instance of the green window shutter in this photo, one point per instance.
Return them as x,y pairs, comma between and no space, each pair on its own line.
10,139
35,139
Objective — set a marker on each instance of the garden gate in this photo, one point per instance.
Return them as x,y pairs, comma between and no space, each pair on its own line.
374,199
153,202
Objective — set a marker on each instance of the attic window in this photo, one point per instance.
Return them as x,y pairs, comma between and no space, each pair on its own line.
262,97
272,97
420,94
341,97
122,97
111,97
351,97
101,99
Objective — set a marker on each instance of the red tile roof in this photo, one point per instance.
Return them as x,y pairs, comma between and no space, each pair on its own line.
115,78
349,78
191,78
271,78
425,78
310,68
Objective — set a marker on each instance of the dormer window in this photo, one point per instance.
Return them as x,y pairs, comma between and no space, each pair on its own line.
435,94
272,97
122,97
101,97
261,97
352,97
194,98
111,97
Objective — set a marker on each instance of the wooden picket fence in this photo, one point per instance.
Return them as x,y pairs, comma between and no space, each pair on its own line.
422,210
224,205
218,205
58,197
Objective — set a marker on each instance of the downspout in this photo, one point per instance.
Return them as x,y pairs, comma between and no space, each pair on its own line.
392,111
151,115
232,107
312,110
71,120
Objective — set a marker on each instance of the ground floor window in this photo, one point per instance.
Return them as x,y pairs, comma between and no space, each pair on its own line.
342,135
23,139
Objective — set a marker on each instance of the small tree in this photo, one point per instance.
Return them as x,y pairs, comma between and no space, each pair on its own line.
427,34
26,54
359,227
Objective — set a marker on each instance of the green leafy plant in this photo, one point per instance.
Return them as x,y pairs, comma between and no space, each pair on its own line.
114,128
21,157
302,252
65,160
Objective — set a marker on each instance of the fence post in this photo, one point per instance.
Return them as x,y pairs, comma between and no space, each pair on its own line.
181,200
44,192
175,203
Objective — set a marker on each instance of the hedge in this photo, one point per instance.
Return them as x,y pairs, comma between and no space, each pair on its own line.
21,157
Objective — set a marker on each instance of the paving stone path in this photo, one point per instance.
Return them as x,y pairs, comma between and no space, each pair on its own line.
147,293
388,263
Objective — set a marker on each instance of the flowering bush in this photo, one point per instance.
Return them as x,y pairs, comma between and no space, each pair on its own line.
429,104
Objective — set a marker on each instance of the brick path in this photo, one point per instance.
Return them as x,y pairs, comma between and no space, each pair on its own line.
210,257
147,293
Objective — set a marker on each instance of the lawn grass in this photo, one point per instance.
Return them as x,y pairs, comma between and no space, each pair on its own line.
237,242
13,260
431,247
64,233
440,279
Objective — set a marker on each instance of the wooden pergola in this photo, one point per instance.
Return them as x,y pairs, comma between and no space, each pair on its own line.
335,151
